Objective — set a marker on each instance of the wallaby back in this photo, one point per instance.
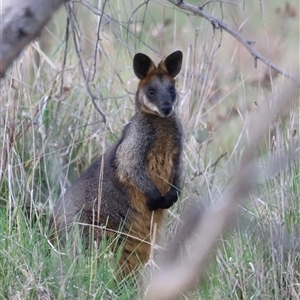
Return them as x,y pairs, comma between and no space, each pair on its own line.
133,183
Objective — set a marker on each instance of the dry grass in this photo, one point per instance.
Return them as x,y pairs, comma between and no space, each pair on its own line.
51,131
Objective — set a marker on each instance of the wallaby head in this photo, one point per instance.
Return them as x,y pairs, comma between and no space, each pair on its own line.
157,93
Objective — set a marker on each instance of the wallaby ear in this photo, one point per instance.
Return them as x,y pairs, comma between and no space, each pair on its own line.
142,65
172,63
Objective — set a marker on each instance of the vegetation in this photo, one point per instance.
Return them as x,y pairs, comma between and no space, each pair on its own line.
51,132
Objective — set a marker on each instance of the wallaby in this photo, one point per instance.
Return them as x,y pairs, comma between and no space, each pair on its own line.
133,183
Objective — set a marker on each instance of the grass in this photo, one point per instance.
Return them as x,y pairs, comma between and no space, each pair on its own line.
51,132
30,269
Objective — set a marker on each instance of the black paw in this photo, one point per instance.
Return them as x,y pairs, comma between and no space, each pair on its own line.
169,198
154,200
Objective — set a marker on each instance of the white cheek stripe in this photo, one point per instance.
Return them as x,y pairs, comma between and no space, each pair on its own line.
150,105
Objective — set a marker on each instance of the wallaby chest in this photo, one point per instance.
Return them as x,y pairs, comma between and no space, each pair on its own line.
163,153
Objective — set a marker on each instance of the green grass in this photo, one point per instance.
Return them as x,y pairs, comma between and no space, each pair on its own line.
49,138
30,267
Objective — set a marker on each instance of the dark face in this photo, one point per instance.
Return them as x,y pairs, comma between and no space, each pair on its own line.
159,96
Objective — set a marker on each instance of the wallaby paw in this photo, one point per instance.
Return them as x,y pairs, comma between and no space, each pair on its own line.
169,198
154,200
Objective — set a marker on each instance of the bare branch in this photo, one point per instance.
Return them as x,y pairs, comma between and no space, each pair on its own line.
21,21
218,24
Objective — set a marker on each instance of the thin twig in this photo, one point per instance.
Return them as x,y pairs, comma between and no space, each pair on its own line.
196,174
93,97
65,56
97,40
211,1
218,24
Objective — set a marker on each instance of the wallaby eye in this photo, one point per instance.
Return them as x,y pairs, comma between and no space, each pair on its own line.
172,91
151,92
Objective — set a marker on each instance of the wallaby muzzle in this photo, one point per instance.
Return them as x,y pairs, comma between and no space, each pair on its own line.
166,109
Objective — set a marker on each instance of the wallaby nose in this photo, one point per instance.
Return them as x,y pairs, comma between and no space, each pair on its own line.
166,109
